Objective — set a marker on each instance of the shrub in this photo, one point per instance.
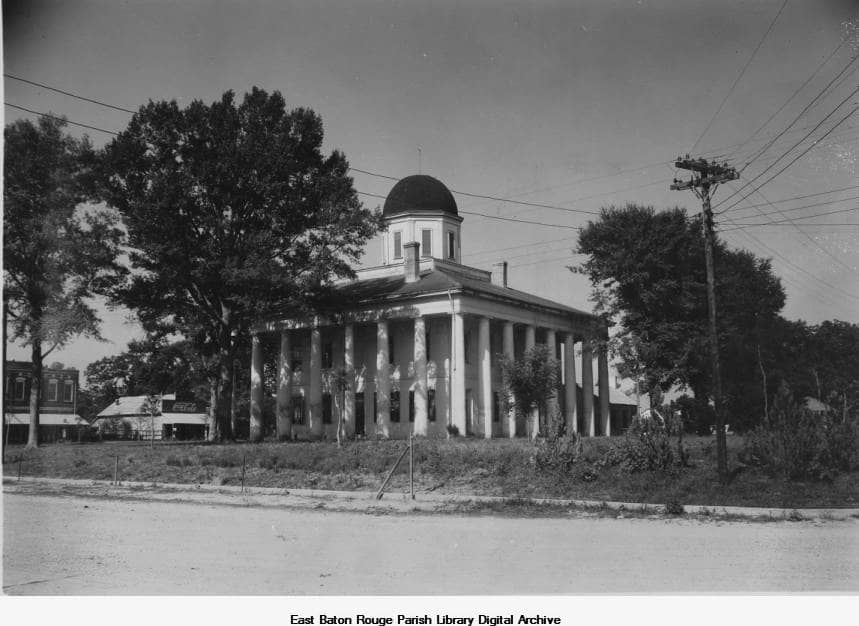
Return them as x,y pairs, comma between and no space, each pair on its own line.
673,507
559,450
647,447
800,445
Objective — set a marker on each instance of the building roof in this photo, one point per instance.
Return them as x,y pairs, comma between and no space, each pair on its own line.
419,193
130,405
441,278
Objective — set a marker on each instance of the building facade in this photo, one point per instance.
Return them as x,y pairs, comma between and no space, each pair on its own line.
153,417
417,344
58,417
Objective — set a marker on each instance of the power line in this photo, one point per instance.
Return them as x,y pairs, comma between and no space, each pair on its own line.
809,195
803,233
792,209
790,221
68,93
491,217
794,160
793,95
739,77
62,119
769,144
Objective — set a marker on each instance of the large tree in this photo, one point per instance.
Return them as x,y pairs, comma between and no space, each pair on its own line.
648,275
234,216
57,254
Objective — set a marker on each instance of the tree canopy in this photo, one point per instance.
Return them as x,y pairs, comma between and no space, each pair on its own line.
57,255
649,280
234,216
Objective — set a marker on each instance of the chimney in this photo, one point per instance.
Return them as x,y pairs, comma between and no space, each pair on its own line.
412,262
499,274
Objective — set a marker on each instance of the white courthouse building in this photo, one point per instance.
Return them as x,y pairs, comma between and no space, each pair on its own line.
416,349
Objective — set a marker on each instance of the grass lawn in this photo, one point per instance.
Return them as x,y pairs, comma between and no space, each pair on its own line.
499,467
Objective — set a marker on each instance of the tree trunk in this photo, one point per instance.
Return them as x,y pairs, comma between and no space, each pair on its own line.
35,393
764,377
213,409
225,396
234,401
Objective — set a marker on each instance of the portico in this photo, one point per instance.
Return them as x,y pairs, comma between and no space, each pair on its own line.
416,347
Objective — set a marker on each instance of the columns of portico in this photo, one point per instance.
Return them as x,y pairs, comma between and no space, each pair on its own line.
484,374
256,430
511,401
349,372
588,387
457,378
570,416
383,380
284,387
605,406
534,415
421,423
552,400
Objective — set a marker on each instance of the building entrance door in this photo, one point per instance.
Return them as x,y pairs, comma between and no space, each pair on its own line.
359,414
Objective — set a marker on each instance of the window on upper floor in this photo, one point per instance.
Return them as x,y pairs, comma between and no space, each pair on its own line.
52,392
20,388
426,242
69,391
398,245
451,245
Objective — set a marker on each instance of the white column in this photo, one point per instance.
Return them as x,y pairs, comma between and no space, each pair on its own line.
349,367
314,409
420,387
570,415
533,415
457,379
484,382
256,389
284,387
588,387
383,381
605,406
511,401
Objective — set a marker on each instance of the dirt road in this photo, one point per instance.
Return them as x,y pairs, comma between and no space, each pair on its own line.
74,545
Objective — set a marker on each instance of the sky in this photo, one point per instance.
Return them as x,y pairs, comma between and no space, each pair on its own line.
577,104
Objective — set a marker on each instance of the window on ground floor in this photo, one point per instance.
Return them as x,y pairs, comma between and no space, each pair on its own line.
496,411
431,404
395,406
326,408
411,406
298,410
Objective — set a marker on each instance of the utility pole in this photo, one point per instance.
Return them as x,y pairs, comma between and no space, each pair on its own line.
706,177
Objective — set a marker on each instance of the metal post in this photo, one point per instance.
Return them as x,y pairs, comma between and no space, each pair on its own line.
20,460
244,458
391,473
115,468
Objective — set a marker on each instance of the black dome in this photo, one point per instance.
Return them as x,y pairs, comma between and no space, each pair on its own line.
419,193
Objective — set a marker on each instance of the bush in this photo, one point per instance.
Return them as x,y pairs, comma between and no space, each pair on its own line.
647,446
558,452
800,445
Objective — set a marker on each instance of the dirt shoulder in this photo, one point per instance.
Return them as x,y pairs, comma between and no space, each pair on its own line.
401,502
